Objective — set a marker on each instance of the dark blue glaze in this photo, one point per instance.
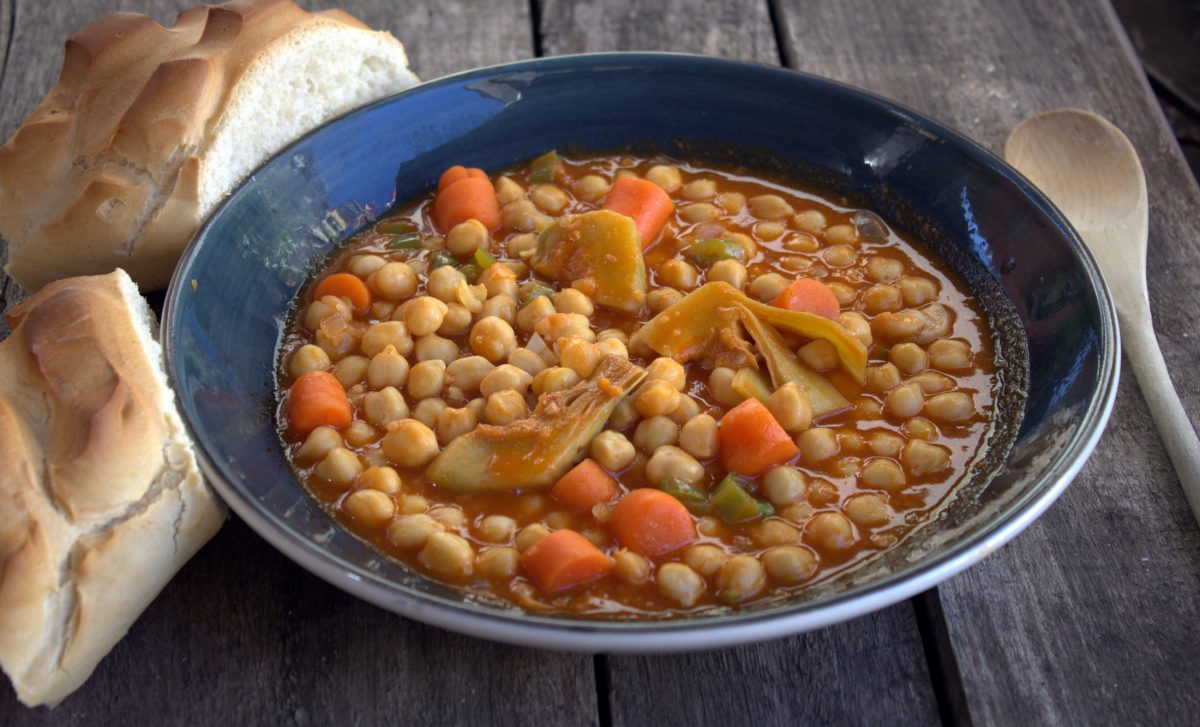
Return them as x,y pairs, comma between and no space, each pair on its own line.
232,291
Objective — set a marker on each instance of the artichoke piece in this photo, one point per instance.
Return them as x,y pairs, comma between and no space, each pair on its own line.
851,352
823,396
537,450
703,325
598,252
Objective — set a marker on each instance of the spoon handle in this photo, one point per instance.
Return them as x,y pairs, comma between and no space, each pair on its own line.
1169,416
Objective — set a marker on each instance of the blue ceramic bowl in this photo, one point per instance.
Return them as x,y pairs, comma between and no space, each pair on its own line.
231,295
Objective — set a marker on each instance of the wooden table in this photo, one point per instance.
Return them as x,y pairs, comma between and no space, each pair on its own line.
1092,616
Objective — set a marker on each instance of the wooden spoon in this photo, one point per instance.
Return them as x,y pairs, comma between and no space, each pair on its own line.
1091,172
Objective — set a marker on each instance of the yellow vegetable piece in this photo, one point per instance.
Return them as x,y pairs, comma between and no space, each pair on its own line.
703,325
599,253
749,383
823,396
851,352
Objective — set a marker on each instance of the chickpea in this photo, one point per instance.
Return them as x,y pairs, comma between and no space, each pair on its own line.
839,256
769,230
320,311
498,563
720,383
426,411
520,215
705,559
631,567
571,300
882,298
659,299
554,379
783,485
505,377
409,443
699,437
385,405
503,407
467,237
665,176
308,358
902,326
362,266
339,466
591,188
499,280
728,271
564,325
351,370
549,198
921,458
819,355
770,207
387,368
411,531
678,274
381,310
790,563
687,410
768,286
384,479
370,507
580,356
951,406
453,423
426,378
679,583
700,190
696,212
883,378
791,408
411,504
917,291
883,269
522,245
672,462
612,451
318,443
668,370
741,577
802,242
845,294
382,335
657,398
612,347
867,510
534,312
948,355
774,532
623,416
909,358
829,531
447,555
434,347
816,445
731,202
655,432
811,221
393,282
747,243
493,339
904,401
508,190
931,382
919,428
841,235
529,535
467,373
424,315
881,474
885,444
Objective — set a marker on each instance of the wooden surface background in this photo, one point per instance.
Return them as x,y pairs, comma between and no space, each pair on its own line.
1092,616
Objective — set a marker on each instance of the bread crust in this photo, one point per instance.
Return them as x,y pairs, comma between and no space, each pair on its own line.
101,501
108,169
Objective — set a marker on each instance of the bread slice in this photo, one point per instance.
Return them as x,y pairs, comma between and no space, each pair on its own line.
148,128
101,501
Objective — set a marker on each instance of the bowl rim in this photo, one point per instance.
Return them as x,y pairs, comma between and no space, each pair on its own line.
523,628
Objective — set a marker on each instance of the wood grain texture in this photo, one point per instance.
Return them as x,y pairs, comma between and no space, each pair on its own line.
6,13
779,682
1166,34
739,30
1090,617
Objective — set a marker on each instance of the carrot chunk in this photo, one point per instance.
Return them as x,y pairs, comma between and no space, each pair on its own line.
646,202
465,194
345,285
651,522
564,559
318,399
751,440
585,485
809,296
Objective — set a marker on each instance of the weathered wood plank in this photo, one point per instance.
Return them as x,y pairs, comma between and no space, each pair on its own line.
243,636
730,30
6,12
1167,35
1089,617
762,683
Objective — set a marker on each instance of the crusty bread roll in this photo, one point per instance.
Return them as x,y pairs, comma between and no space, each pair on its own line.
100,498
149,127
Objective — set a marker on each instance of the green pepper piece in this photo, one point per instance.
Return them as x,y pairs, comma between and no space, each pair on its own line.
536,291
406,241
706,252
396,227
440,258
471,272
692,498
484,258
544,168
731,501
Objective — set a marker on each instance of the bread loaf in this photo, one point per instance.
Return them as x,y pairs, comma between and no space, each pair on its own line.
100,498
149,127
